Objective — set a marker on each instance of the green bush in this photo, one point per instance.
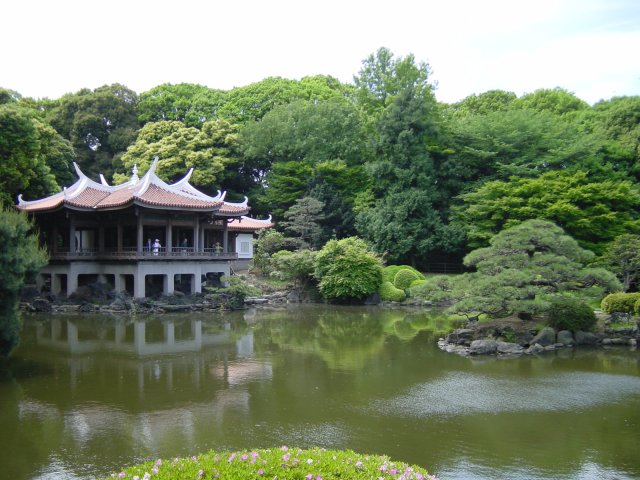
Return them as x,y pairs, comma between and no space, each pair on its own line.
389,272
570,314
417,283
619,302
283,463
636,307
389,293
404,278
347,270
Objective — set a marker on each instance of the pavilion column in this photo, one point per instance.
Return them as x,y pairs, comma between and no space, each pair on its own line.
138,285
72,235
139,235
168,240
225,236
201,239
196,236
168,284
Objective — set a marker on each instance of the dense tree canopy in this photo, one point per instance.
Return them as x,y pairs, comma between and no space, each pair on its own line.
592,212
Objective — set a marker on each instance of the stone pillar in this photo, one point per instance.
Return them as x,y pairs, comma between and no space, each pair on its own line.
168,284
196,236
201,244
56,284
119,282
72,282
138,285
196,284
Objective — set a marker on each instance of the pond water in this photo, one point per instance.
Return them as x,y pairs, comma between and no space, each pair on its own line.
86,395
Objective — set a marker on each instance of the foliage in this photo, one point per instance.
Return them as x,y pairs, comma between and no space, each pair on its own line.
297,266
100,124
404,278
302,221
570,314
619,302
593,212
238,290
208,150
438,289
34,159
636,307
522,269
283,463
484,103
417,283
622,257
269,241
185,102
390,293
554,100
20,258
346,270
389,272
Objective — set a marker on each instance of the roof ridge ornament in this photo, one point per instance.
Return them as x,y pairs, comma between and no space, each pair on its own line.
103,181
78,171
134,177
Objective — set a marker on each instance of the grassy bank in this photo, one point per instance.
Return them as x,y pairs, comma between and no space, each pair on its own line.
277,463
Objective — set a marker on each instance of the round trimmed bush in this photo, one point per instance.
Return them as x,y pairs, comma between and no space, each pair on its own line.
404,277
619,302
417,283
571,314
389,272
389,293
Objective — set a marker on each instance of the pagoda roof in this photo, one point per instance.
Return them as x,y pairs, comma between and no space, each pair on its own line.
248,224
149,191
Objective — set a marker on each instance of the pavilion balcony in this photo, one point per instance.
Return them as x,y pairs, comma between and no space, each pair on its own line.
132,254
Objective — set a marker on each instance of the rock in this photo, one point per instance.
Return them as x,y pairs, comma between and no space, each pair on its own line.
88,307
255,301
509,348
633,342
534,349
461,336
483,347
586,338
294,296
545,337
565,337
41,305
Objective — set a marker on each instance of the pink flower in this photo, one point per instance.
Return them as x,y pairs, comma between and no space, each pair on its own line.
260,471
393,471
121,475
244,457
154,470
231,457
284,448
359,464
158,462
309,476
384,467
286,457
254,454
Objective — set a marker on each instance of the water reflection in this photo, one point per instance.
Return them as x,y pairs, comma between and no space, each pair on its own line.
85,395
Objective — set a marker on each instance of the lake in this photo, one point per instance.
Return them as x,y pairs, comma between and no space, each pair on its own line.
84,396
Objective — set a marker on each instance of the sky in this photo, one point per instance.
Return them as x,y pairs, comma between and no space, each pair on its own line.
588,47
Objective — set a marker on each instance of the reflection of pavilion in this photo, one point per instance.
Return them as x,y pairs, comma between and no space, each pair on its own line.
135,337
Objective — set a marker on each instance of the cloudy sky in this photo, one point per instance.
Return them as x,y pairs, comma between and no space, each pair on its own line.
589,47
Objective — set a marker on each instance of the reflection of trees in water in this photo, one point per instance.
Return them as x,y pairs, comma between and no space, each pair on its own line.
345,338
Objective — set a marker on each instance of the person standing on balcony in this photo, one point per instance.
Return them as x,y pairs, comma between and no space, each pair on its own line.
156,247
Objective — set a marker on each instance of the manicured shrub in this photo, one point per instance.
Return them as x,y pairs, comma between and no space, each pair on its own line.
636,307
417,283
619,302
283,463
347,270
389,272
389,293
570,314
404,277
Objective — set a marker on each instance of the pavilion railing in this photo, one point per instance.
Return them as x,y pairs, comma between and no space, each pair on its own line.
132,253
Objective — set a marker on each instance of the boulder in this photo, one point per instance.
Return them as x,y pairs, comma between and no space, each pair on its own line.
41,305
483,347
461,336
586,338
565,337
545,337
509,348
534,349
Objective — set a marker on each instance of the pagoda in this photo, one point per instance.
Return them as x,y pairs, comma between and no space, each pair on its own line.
142,236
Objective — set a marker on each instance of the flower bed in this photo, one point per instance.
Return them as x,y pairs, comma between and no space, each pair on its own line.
282,463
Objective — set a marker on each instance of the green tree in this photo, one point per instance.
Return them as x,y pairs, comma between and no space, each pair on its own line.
210,150
554,100
347,270
302,221
523,269
32,155
188,103
297,267
622,257
593,212
484,103
100,124
20,257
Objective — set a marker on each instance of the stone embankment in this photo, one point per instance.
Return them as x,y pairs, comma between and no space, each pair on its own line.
505,340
